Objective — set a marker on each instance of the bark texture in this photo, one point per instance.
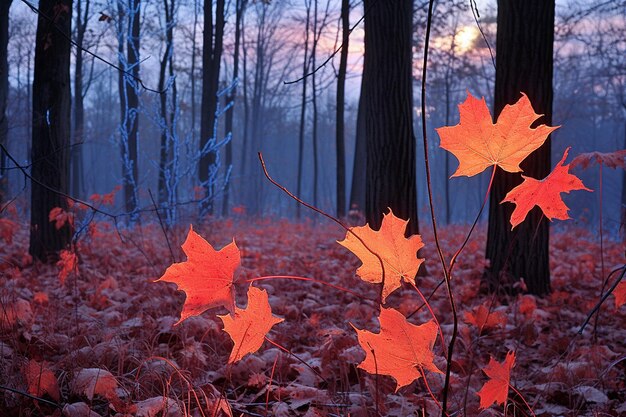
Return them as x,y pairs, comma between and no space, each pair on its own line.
4,92
390,176
50,128
524,46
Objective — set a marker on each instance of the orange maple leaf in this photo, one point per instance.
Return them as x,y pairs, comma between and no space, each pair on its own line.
398,253
620,294
68,263
248,326
401,350
545,193
478,143
482,318
497,388
206,277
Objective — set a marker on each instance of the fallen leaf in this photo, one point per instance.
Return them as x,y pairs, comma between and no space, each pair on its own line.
478,143
482,318
94,381
206,277
497,388
545,193
620,294
247,327
401,350
41,380
158,406
398,253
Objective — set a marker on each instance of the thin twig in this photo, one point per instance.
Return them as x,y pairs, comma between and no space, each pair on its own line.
156,209
25,394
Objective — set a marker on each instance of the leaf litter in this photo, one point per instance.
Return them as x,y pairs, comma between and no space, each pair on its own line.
107,335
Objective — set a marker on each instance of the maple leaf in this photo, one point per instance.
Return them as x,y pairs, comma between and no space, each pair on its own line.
247,327
620,294
544,193
478,143
398,253
60,217
497,388
41,380
482,318
401,350
206,277
613,160
68,263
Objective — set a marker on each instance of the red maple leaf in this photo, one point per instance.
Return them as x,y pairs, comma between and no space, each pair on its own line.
620,294
248,326
40,379
478,143
545,193
68,263
482,318
401,350
206,277
398,253
497,388
613,160
60,217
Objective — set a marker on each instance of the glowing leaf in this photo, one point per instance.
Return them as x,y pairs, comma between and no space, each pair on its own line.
68,263
482,318
478,143
247,327
401,350
497,388
545,193
398,253
206,277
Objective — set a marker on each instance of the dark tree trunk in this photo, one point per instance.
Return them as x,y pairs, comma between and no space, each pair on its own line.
314,104
51,129
341,90
623,206
211,57
357,190
305,69
387,80
524,46
79,107
240,7
4,92
166,125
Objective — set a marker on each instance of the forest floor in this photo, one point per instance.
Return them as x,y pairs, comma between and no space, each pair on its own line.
104,342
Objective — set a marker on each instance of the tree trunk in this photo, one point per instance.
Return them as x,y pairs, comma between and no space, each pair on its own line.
51,128
357,190
166,126
211,57
240,7
79,107
341,90
314,104
4,93
387,80
305,69
524,46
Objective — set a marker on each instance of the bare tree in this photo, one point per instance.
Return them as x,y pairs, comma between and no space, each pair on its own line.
341,102
387,79
524,48
51,128
4,91
212,40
